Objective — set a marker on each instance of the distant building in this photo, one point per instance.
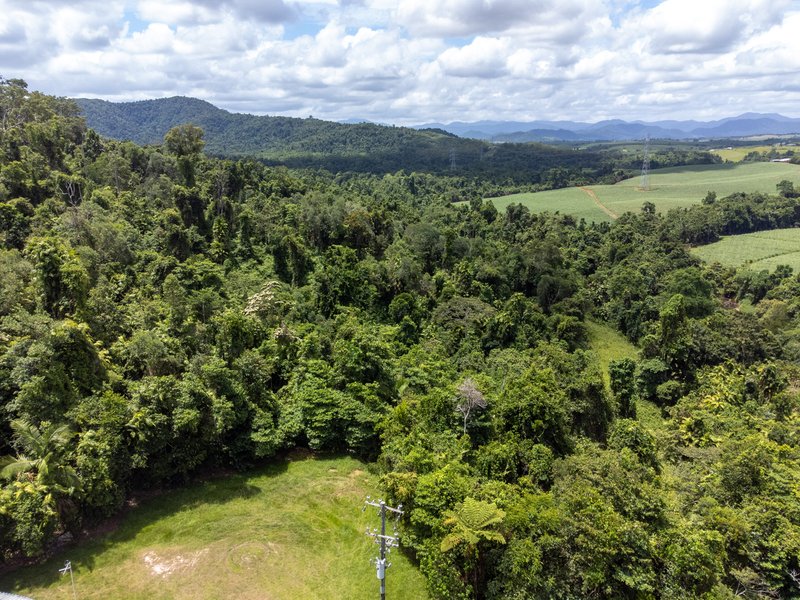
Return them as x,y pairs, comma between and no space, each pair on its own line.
781,160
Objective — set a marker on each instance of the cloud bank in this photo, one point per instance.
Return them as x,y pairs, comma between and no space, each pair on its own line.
412,61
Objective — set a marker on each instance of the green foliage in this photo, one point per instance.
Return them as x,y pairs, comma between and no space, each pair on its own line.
63,279
628,433
43,453
534,407
337,147
164,314
622,375
27,518
472,521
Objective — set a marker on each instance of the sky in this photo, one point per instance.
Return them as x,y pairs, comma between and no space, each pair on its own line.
417,61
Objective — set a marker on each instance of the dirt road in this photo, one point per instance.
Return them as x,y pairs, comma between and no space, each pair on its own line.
600,205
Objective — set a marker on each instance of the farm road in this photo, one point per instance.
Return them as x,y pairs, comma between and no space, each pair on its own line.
600,205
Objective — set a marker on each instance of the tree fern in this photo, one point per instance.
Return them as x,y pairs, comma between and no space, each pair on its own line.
472,521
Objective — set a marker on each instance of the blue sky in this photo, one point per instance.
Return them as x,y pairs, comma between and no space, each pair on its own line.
417,61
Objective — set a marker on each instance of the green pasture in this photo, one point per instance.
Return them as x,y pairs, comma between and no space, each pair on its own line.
737,154
572,201
294,530
756,251
669,188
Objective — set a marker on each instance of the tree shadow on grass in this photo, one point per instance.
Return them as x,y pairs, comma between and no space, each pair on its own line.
138,515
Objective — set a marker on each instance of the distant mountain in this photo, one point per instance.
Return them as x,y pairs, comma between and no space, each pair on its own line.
334,146
487,130
615,130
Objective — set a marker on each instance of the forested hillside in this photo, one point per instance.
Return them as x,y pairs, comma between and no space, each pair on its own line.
364,147
164,313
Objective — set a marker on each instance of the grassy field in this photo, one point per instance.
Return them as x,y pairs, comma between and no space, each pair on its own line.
669,188
738,154
291,531
608,344
760,250
571,201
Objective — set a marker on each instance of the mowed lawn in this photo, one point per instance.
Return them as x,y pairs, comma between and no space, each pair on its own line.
669,188
760,250
291,531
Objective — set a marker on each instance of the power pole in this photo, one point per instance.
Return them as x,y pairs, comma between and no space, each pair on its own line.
386,542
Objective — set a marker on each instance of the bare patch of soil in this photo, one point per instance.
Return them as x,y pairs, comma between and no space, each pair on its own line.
161,565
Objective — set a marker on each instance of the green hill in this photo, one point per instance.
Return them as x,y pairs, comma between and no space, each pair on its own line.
363,147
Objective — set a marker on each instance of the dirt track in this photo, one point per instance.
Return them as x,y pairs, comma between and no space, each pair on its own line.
600,205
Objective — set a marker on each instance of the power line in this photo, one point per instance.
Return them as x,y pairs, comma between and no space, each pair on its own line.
386,542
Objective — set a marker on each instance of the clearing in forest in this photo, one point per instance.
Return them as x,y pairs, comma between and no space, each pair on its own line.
609,344
669,188
756,251
292,530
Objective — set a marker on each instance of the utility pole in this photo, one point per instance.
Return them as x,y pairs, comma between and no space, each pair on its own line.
386,542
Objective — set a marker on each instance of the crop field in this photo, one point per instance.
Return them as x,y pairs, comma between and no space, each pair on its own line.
757,251
669,188
294,530
572,201
736,154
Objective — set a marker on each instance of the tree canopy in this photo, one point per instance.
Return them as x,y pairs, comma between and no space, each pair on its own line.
163,312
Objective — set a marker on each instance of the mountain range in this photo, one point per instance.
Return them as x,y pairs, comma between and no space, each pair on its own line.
747,124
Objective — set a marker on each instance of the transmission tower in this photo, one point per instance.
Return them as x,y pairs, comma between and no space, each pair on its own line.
645,182
386,542
452,159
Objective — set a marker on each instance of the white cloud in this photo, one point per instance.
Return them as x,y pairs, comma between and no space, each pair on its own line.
454,18
416,60
706,27
484,57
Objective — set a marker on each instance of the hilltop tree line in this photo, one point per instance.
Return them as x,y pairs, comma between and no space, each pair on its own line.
370,148
163,313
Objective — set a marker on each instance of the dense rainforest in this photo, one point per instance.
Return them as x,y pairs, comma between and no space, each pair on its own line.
164,313
370,148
